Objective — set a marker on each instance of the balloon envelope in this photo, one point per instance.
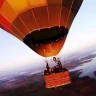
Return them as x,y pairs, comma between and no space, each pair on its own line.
41,24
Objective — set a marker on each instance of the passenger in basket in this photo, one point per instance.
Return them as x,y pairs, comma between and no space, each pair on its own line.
46,71
52,71
58,67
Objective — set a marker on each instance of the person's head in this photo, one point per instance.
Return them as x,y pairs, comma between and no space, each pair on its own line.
54,58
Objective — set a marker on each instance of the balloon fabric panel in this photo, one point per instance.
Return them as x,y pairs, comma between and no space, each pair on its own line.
21,18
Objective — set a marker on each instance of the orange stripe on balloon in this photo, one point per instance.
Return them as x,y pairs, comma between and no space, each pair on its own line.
7,11
64,16
41,15
54,9
28,18
54,2
54,15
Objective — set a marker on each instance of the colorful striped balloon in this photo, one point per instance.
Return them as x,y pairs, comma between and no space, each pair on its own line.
41,24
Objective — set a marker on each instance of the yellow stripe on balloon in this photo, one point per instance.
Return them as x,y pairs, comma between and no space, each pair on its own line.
19,6
38,3
8,12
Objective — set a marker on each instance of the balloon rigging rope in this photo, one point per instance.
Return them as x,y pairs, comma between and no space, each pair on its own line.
69,13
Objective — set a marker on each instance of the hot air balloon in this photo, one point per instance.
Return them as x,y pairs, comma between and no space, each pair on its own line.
42,25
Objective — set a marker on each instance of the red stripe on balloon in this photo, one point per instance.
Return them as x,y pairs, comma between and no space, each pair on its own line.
5,24
5,28
1,2
1,26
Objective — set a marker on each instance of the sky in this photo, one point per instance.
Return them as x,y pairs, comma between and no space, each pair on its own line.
14,54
